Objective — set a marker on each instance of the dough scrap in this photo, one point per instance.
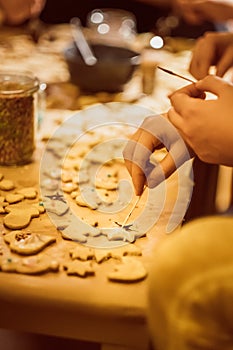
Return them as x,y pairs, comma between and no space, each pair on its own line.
27,243
128,271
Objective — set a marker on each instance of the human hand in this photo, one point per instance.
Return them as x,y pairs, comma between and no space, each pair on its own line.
17,11
154,133
205,125
213,49
199,11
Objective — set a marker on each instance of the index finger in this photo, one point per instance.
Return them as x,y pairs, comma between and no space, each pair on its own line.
137,154
185,96
191,90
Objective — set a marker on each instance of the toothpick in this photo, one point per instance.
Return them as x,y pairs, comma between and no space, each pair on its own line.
175,74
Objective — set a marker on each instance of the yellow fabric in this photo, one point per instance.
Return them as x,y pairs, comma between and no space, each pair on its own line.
191,288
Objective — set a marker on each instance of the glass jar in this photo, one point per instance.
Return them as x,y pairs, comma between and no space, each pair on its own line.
18,110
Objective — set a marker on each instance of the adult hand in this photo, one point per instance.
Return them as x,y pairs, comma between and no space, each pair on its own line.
17,11
205,125
213,49
155,132
198,11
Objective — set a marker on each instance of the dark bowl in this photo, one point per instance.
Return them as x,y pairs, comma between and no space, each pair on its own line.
114,68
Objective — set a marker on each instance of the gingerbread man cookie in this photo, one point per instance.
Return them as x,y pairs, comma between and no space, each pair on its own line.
19,215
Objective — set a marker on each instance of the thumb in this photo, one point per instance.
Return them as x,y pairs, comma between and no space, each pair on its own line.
212,84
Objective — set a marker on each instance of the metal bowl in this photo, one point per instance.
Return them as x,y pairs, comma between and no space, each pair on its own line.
114,68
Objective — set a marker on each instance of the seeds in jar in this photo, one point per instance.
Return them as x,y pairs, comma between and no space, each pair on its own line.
16,129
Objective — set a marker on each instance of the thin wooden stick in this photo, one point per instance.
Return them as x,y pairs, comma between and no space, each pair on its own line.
175,74
131,211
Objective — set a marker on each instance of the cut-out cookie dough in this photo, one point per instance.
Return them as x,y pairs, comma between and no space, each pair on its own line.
128,271
127,250
79,231
88,204
28,192
67,176
69,187
78,151
14,198
82,253
28,243
3,204
19,215
81,178
56,204
79,268
33,265
50,184
119,233
39,206
6,185
102,255
109,184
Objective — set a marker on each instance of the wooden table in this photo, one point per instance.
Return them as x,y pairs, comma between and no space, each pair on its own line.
91,309
88,309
